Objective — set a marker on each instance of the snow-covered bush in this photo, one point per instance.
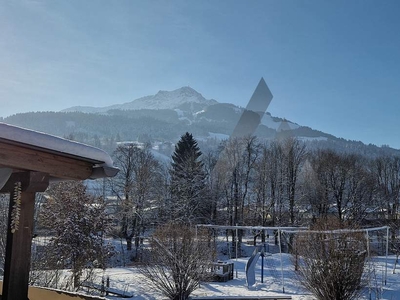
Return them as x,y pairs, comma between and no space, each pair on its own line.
178,260
330,264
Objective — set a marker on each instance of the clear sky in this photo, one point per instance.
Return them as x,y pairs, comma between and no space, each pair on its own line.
331,65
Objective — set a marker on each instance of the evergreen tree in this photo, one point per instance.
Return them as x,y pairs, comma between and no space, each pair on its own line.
187,181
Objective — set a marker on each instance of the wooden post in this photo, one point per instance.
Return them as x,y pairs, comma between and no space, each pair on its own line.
22,188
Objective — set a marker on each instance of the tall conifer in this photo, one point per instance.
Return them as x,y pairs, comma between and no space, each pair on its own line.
187,181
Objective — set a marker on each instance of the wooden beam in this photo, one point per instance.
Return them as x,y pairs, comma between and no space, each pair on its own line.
30,182
19,232
24,158
18,250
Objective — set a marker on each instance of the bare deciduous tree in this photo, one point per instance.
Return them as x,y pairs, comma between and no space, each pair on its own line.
178,260
135,187
77,224
213,187
342,184
294,153
386,170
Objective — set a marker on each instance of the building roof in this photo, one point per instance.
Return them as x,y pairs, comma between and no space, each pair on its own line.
23,149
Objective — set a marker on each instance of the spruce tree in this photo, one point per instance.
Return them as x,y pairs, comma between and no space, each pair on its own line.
187,181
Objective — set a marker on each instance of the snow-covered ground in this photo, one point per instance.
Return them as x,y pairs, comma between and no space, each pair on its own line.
129,280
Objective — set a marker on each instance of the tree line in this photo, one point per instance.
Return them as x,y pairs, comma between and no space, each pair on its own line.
247,181
250,182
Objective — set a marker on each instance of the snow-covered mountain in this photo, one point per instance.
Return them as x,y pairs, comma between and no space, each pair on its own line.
162,100
165,116
188,107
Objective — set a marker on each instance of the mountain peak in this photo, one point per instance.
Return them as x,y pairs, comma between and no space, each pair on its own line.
172,99
183,92
162,100
184,89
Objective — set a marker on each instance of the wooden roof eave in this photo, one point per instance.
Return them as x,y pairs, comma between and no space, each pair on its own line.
18,157
60,165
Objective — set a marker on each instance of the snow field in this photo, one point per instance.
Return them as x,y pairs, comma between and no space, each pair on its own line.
130,280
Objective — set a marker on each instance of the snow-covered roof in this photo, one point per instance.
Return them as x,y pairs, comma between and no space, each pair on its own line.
101,161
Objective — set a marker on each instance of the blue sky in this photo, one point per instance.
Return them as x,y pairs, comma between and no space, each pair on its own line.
331,65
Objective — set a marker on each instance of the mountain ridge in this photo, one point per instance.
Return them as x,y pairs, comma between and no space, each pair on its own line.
165,116
161,100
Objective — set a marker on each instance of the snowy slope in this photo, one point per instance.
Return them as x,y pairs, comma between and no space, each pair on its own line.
270,122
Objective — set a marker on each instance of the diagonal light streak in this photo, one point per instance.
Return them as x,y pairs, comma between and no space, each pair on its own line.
255,110
250,118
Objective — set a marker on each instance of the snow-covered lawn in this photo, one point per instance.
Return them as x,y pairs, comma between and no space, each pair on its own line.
129,279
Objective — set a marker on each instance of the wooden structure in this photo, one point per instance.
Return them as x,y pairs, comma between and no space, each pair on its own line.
29,161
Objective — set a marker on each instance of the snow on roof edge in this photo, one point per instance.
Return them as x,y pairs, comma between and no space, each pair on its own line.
54,143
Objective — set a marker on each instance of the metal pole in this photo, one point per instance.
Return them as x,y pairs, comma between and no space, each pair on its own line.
369,265
237,240
262,265
387,252
107,285
280,253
